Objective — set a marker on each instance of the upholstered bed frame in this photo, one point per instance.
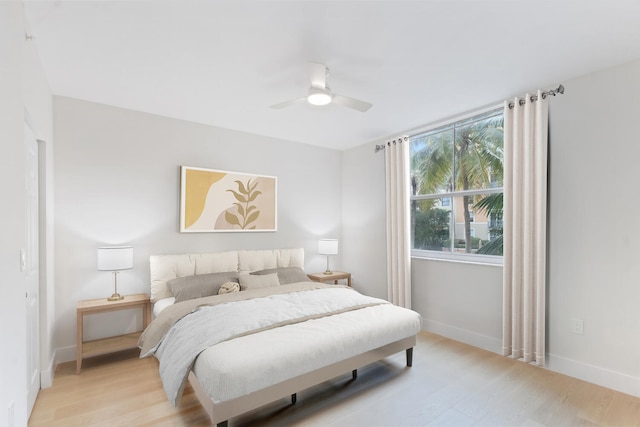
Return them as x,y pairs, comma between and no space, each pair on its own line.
167,267
220,412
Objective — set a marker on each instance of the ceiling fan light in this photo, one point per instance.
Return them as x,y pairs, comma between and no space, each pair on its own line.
319,98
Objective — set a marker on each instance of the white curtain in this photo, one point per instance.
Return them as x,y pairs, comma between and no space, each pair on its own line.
398,221
525,228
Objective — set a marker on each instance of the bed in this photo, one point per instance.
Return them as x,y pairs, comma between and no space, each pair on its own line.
246,328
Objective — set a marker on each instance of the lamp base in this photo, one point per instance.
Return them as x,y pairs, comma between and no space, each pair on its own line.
115,297
328,272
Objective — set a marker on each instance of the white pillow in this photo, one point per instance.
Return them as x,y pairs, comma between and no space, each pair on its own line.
249,281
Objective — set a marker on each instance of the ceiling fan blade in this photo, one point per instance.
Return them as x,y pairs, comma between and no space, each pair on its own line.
356,104
318,75
288,103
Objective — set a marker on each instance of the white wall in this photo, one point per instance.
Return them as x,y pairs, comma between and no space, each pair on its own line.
459,300
593,268
117,182
593,245
363,220
12,173
23,88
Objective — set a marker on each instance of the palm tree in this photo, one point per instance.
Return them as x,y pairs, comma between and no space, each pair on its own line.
467,156
492,205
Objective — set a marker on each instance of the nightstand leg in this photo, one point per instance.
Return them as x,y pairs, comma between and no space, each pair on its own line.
79,342
146,315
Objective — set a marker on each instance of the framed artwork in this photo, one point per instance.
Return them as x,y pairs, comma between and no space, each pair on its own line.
222,201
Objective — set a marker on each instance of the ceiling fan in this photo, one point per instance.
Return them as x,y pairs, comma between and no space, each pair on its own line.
320,94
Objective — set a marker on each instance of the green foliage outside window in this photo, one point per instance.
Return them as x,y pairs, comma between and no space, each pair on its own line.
431,229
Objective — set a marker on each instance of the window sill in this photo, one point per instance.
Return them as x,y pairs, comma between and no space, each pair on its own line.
487,260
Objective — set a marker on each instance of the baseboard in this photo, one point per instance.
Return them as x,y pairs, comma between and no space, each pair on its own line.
594,374
463,335
46,375
65,354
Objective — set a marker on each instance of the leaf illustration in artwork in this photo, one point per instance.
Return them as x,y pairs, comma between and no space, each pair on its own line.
241,209
231,218
239,197
253,195
241,187
252,217
247,213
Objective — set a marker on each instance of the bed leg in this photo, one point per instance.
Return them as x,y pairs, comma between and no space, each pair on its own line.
410,357
223,424
294,398
354,374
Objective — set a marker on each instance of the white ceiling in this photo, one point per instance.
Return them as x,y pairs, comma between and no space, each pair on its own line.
223,63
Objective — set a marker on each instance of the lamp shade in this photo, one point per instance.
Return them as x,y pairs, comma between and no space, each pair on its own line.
113,258
328,246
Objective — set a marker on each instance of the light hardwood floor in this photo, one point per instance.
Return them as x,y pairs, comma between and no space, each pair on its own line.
450,384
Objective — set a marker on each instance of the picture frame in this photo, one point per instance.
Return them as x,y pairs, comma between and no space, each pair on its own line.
214,200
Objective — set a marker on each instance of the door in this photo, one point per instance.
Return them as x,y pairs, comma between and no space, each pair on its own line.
30,266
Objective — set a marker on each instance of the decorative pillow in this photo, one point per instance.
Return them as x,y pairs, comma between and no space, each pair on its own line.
250,281
201,285
286,275
229,287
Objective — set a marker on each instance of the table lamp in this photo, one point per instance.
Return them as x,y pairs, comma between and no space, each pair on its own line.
328,247
115,258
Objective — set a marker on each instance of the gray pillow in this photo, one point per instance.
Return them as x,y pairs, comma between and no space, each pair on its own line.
286,275
200,285
248,281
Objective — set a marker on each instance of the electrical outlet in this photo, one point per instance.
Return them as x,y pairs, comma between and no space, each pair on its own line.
577,326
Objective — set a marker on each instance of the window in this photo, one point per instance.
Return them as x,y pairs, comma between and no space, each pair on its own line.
457,178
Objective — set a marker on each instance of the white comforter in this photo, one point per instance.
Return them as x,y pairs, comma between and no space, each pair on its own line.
250,363
211,325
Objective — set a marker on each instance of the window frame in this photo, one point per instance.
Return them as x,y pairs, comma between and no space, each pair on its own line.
481,259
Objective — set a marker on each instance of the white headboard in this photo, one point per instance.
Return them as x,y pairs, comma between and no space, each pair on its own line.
166,267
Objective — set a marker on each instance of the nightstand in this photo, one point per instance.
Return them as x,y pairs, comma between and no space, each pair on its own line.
334,276
112,344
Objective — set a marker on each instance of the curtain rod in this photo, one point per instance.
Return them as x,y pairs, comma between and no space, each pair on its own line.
532,98
380,147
